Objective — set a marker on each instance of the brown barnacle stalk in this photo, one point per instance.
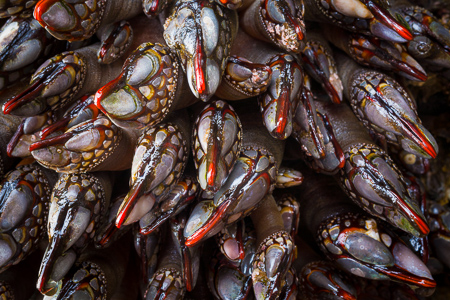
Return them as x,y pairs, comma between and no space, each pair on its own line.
319,278
279,22
129,287
201,32
28,133
93,145
80,19
24,196
180,196
370,177
97,274
78,204
142,99
61,79
313,130
374,52
17,283
217,138
24,45
8,126
116,39
288,177
385,108
167,281
253,176
275,253
318,61
158,163
358,243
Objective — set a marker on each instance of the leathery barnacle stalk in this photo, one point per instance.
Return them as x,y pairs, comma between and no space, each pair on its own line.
18,282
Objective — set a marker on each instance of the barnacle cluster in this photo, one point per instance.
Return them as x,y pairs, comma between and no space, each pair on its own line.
224,149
